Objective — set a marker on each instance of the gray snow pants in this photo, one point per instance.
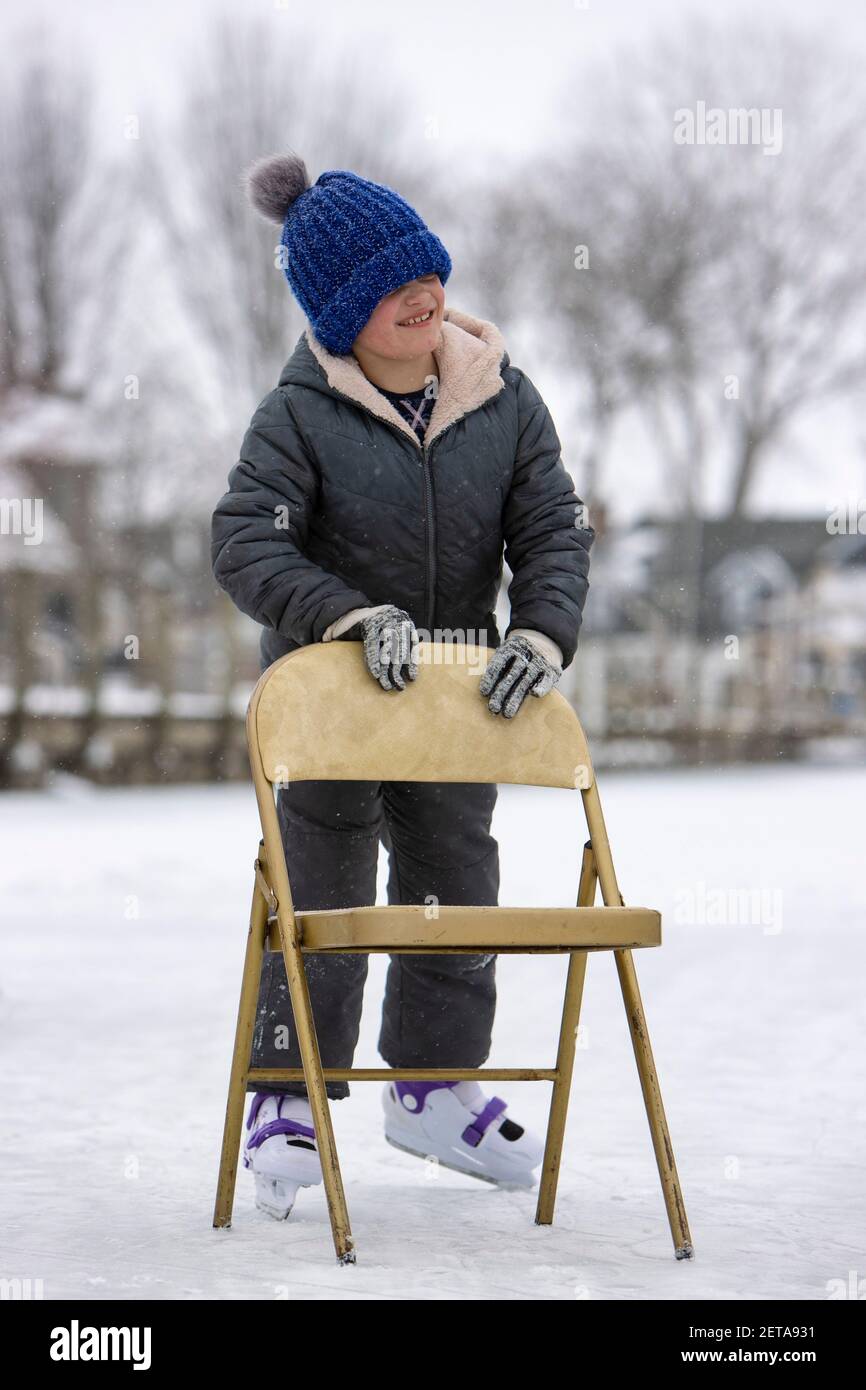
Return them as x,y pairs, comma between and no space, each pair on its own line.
438,1009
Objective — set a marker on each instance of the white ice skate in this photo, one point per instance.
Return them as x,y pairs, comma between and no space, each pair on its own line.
463,1129
280,1151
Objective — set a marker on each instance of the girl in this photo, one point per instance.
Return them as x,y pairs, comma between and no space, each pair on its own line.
379,484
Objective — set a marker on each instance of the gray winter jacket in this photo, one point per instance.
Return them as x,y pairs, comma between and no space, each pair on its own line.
336,504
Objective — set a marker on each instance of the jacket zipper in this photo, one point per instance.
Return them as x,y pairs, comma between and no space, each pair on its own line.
429,516
430,533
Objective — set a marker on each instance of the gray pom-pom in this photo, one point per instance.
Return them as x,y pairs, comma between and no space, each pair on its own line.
274,182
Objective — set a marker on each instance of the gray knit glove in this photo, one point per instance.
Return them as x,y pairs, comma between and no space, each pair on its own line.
390,644
515,669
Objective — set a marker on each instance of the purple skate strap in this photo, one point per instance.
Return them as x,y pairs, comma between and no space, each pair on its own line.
258,1101
474,1133
420,1090
280,1127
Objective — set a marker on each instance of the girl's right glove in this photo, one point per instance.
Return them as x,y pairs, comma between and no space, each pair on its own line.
390,646
515,670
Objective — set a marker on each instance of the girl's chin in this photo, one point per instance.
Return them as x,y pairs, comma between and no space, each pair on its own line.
419,339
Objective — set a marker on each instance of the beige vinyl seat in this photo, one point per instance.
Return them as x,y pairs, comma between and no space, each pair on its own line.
317,714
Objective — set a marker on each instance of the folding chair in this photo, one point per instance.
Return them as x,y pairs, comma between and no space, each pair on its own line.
317,714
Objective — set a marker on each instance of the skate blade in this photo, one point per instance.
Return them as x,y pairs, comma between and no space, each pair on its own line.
275,1196
510,1184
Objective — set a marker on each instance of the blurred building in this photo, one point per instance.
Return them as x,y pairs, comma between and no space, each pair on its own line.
744,634
121,659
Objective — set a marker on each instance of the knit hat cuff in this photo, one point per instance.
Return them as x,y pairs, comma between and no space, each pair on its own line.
343,317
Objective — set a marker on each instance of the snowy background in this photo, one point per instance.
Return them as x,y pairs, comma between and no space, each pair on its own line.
120,969
691,312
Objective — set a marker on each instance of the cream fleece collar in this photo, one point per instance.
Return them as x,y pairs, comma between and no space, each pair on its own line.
468,357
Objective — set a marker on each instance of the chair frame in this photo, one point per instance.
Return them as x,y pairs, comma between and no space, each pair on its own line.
274,923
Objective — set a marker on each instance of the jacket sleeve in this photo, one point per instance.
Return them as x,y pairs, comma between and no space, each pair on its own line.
348,621
547,534
543,644
259,530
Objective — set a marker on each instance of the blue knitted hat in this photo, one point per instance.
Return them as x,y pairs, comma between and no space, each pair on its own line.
346,243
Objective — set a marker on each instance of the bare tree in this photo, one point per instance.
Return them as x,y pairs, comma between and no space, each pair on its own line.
602,252
661,270
64,223
752,270
45,154
791,290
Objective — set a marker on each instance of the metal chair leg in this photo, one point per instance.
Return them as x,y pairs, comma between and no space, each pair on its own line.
315,1082
652,1096
565,1054
649,1081
234,1116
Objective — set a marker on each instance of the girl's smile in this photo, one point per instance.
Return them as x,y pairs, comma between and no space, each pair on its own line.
417,320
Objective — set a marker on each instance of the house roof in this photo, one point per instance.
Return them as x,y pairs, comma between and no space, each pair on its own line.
798,540
38,427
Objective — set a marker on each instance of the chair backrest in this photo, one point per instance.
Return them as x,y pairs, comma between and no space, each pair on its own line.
318,714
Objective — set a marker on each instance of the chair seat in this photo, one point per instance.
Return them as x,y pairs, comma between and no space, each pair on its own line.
417,927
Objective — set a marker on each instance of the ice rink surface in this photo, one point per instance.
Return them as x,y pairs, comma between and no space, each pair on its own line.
124,916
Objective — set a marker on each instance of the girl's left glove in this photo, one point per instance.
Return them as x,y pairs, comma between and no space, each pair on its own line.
390,646
515,669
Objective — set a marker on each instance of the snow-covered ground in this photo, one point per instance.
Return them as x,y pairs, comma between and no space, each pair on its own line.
124,918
